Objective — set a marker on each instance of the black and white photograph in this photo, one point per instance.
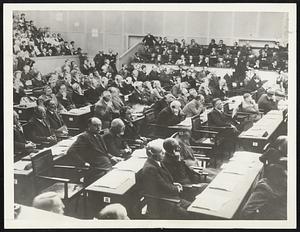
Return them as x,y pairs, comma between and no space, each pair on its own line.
150,115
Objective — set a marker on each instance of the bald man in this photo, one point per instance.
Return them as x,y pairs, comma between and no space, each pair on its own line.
171,115
90,150
49,201
159,183
114,141
113,211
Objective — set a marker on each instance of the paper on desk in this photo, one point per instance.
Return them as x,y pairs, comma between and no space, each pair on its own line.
57,150
113,179
210,201
20,165
133,164
225,181
185,122
65,143
236,167
139,153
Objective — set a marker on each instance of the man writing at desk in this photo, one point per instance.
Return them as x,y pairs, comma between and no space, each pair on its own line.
90,150
171,115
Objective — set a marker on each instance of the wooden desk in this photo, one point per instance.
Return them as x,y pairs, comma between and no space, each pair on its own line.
262,132
238,178
76,119
23,179
117,186
32,214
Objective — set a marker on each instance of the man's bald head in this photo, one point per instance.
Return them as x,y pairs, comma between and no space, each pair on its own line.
49,201
94,125
154,149
170,145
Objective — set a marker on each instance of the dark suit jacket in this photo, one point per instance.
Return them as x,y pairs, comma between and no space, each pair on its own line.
19,140
55,120
79,100
178,169
91,149
39,132
216,118
158,181
167,118
115,145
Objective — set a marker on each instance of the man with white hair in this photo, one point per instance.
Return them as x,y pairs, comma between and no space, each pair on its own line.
49,201
171,115
158,183
113,211
114,141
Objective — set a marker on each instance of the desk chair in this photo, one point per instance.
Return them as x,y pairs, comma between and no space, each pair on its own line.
45,172
202,159
151,129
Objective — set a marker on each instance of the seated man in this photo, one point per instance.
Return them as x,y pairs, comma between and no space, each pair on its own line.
21,145
165,102
55,120
104,109
49,201
116,146
171,115
131,133
268,201
64,97
248,105
277,150
158,183
90,150
138,95
194,107
113,212
180,172
41,132
268,101
217,117
117,102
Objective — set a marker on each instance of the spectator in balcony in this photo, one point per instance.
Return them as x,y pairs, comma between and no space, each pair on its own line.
99,60
66,49
142,76
112,57
212,45
181,61
213,57
26,77
128,86
153,75
149,40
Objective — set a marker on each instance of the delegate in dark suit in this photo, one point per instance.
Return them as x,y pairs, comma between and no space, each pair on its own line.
158,182
90,148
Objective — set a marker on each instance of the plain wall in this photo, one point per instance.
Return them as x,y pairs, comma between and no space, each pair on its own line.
101,30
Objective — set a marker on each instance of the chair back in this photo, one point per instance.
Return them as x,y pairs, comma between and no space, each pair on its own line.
150,115
42,162
27,130
196,123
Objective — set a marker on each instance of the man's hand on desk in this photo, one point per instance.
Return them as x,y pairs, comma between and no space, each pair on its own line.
179,187
30,145
116,159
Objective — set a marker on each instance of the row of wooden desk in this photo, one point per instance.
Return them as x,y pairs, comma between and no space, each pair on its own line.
262,132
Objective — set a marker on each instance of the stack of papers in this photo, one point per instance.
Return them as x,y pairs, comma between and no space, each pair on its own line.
113,179
20,165
236,167
133,164
210,201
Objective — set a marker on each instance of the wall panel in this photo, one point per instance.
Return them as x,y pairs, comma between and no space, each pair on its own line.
133,22
174,23
197,24
153,22
245,24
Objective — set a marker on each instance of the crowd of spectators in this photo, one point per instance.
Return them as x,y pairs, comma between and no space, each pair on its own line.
162,51
30,41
